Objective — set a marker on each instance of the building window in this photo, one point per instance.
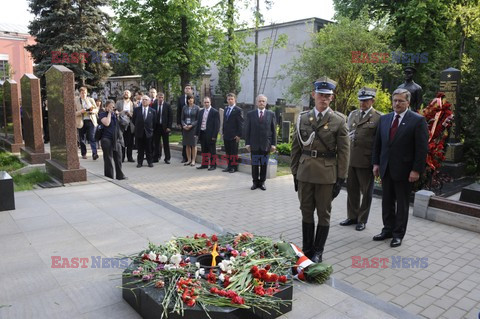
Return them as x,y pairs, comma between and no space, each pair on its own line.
3,67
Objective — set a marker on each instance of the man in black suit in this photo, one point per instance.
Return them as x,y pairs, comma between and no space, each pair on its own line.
144,121
399,155
232,132
260,140
163,126
181,102
207,132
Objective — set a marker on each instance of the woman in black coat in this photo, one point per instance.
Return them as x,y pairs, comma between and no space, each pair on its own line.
189,125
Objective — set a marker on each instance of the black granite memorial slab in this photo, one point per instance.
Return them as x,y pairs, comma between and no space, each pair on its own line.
147,302
7,198
471,194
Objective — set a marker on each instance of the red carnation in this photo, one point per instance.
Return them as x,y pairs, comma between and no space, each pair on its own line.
282,279
238,300
214,237
254,269
267,267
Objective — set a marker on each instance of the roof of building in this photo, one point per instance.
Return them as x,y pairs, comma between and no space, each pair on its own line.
13,28
294,22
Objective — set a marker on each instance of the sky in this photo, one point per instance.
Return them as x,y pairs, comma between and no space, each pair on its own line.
281,11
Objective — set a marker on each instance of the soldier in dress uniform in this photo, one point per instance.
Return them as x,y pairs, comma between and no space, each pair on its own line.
320,153
362,126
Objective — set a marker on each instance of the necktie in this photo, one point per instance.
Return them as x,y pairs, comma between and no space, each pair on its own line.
363,114
161,110
319,117
145,113
261,116
228,111
394,127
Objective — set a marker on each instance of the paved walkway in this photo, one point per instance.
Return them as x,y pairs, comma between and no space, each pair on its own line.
100,218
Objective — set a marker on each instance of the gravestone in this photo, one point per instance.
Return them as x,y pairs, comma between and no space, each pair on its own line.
34,150
64,163
286,131
7,198
453,166
12,139
471,194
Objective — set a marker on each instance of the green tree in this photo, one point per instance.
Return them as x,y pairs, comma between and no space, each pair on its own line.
70,26
330,53
167,41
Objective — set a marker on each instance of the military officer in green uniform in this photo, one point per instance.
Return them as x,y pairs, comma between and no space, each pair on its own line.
320,153
362,126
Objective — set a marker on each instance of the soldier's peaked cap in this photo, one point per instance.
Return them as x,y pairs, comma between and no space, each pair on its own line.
325,85
366,93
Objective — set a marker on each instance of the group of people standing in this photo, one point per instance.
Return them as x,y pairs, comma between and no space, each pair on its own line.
328,149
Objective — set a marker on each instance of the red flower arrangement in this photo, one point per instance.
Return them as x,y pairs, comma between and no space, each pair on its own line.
439,117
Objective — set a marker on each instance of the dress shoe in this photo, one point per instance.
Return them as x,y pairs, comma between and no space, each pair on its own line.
131,160
360,226
139,165
348,222
202,167
183,161
95,156
226,169
122,178
167,162
382,236
150,165
254,187
155,161
84,156
212,168
232,170
395,242
262,187
186,164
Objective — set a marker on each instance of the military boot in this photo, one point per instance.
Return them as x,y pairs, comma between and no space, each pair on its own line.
320,239
308,230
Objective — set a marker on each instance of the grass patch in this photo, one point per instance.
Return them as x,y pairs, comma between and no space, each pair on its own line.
25,182
283,169
9,162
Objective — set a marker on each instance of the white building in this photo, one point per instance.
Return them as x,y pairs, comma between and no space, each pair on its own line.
270,65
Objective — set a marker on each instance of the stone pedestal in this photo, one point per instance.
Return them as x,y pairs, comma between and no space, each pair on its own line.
286,131
422,199
64,164
7,198
34,150
11,139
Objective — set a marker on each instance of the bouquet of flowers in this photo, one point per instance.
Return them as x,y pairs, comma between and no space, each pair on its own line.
240,271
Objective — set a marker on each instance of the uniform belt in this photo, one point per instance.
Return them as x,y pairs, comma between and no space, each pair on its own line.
315,153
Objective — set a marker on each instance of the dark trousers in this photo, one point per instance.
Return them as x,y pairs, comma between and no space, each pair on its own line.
259,166
209,150
360,182
161,136
231,150
87,134
128,140
144,145
395,217
112,152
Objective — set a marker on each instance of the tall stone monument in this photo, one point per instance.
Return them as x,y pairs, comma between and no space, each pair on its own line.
453,165
12,139
64,164
34,150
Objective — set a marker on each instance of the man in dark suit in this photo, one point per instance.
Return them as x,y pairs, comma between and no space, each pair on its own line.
399,155
181,102
207,132
260,140
163,126
232,132
144,121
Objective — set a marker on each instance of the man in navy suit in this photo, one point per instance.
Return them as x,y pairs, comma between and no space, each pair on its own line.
207,132
260,140
399,155
232,132
144,120
163,126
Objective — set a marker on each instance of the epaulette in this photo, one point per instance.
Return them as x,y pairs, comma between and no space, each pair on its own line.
343,116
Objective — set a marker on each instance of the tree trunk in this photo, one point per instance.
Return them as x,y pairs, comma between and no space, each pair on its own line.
255,63
184,66
231,67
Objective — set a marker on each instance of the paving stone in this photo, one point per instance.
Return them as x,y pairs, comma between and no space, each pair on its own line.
445,302
466,304
432,312
437,292
424,301
413,308
403,300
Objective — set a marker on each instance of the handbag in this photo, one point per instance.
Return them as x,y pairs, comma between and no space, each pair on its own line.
98,132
